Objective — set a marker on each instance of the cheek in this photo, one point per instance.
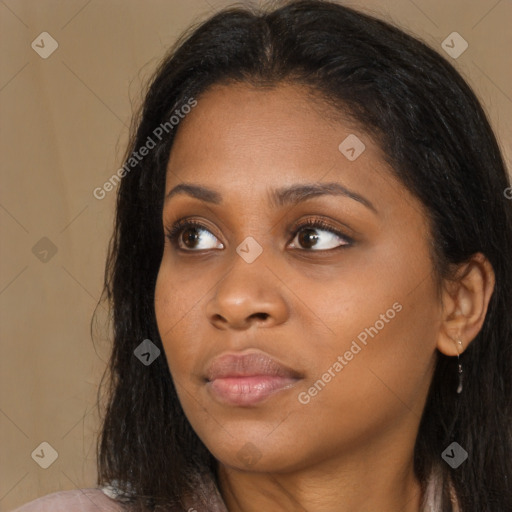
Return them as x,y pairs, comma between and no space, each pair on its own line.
376,385
385,337
177,302
384,319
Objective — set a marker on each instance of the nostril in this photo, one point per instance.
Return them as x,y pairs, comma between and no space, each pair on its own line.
260,316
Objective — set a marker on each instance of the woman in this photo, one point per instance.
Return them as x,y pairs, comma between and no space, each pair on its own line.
310,278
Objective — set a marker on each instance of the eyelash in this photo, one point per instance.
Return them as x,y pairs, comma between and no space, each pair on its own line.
176,230
319,223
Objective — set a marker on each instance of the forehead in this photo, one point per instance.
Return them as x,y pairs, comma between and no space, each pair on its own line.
244,140
286,117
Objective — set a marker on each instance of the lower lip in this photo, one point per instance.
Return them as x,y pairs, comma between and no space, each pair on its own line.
248,390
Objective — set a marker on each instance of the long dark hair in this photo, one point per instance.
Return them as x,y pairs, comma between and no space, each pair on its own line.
437,138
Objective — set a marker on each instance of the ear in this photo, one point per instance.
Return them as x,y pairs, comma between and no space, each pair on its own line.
465,299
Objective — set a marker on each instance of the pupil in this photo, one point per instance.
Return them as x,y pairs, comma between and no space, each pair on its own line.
190,238
307,236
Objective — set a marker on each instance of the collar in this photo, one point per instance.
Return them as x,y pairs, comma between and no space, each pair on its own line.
207,497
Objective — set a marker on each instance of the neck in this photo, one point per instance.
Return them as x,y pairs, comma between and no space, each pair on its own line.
368,482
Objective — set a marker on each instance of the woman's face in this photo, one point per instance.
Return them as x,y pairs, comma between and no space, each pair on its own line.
346,311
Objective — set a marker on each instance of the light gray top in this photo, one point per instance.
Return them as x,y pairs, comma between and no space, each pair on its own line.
207,499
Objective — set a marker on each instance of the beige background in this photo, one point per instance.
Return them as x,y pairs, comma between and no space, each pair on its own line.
64,123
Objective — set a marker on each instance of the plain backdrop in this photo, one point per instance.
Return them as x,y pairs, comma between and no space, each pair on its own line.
64,123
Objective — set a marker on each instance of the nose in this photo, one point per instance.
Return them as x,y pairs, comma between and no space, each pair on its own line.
249,294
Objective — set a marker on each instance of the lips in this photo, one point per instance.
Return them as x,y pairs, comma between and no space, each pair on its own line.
248,379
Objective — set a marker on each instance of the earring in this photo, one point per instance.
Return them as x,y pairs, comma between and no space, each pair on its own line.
459,387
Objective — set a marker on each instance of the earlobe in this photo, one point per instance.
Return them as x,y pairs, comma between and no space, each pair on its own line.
465,302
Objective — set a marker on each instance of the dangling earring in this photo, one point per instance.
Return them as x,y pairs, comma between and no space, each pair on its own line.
459,387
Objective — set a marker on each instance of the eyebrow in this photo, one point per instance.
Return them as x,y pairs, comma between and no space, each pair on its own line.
278,197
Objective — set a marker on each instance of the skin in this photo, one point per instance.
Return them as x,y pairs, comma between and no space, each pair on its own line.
351,447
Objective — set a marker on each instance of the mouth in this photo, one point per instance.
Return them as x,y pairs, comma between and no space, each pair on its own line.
248,379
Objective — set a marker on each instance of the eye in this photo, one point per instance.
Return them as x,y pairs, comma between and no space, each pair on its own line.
188,234
317,235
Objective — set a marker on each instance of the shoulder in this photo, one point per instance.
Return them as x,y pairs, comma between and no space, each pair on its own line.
78,500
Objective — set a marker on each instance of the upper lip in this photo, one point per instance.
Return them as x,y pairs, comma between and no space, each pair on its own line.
248,365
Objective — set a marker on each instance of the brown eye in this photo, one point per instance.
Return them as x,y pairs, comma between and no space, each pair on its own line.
317,236
308,238
188,235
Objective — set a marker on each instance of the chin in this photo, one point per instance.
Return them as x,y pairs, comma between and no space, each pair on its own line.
255,453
